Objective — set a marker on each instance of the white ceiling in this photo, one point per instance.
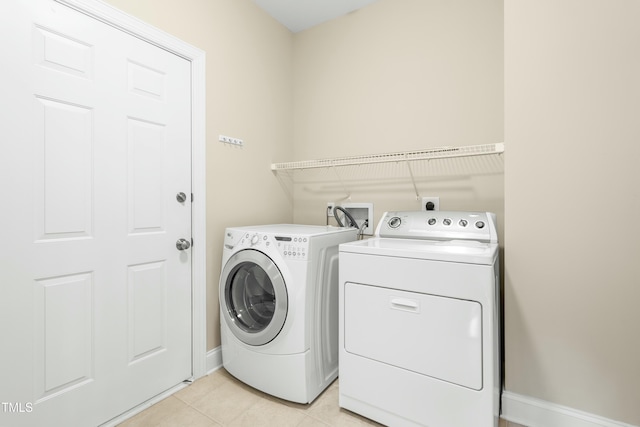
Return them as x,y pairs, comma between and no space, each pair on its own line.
298,15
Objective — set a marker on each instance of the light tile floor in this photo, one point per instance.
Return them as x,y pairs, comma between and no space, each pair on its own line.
221,400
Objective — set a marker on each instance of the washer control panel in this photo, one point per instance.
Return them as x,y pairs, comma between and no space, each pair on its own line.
439,225
289,246
293,246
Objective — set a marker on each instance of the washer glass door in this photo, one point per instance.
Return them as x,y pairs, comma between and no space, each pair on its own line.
253,297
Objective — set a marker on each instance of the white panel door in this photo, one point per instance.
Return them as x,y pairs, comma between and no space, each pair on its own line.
96,141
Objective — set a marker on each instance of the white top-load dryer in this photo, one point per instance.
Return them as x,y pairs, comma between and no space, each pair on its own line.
419,321
278,307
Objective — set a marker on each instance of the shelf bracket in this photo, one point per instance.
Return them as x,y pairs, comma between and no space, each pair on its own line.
344,188
413,179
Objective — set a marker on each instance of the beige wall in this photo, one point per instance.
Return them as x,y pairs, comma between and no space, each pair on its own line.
572,129
400,75
249,97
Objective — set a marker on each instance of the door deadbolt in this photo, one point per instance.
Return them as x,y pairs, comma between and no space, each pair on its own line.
183,244
181,197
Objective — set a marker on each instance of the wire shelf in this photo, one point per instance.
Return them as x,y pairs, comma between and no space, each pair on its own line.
406,156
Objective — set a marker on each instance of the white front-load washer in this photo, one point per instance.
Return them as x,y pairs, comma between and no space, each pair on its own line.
279,307
419,321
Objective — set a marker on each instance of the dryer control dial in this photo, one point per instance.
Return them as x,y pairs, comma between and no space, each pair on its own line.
255,239
395,222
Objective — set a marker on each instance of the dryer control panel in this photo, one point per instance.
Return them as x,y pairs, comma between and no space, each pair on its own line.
439,225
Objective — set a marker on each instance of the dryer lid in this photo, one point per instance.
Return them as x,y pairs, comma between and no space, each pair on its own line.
462,251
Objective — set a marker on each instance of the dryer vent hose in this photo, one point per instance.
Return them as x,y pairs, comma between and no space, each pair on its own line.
347,215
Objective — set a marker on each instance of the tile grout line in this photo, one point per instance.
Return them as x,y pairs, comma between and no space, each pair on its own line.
306,411
199,411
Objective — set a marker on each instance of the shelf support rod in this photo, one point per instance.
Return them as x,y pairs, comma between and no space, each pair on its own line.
344,188
413,179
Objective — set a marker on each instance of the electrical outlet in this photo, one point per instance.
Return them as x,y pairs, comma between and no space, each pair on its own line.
330,206
361,212
430,204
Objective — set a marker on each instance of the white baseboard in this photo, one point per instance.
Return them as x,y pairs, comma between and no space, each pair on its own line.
532,412
214,360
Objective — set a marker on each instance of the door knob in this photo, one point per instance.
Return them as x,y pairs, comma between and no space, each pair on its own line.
183,244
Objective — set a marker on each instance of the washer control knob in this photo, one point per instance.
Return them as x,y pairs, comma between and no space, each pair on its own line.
480,224
446,221
431,221
395,222
463,223
255,239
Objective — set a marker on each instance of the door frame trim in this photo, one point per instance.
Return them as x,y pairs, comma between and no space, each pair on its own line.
131,25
